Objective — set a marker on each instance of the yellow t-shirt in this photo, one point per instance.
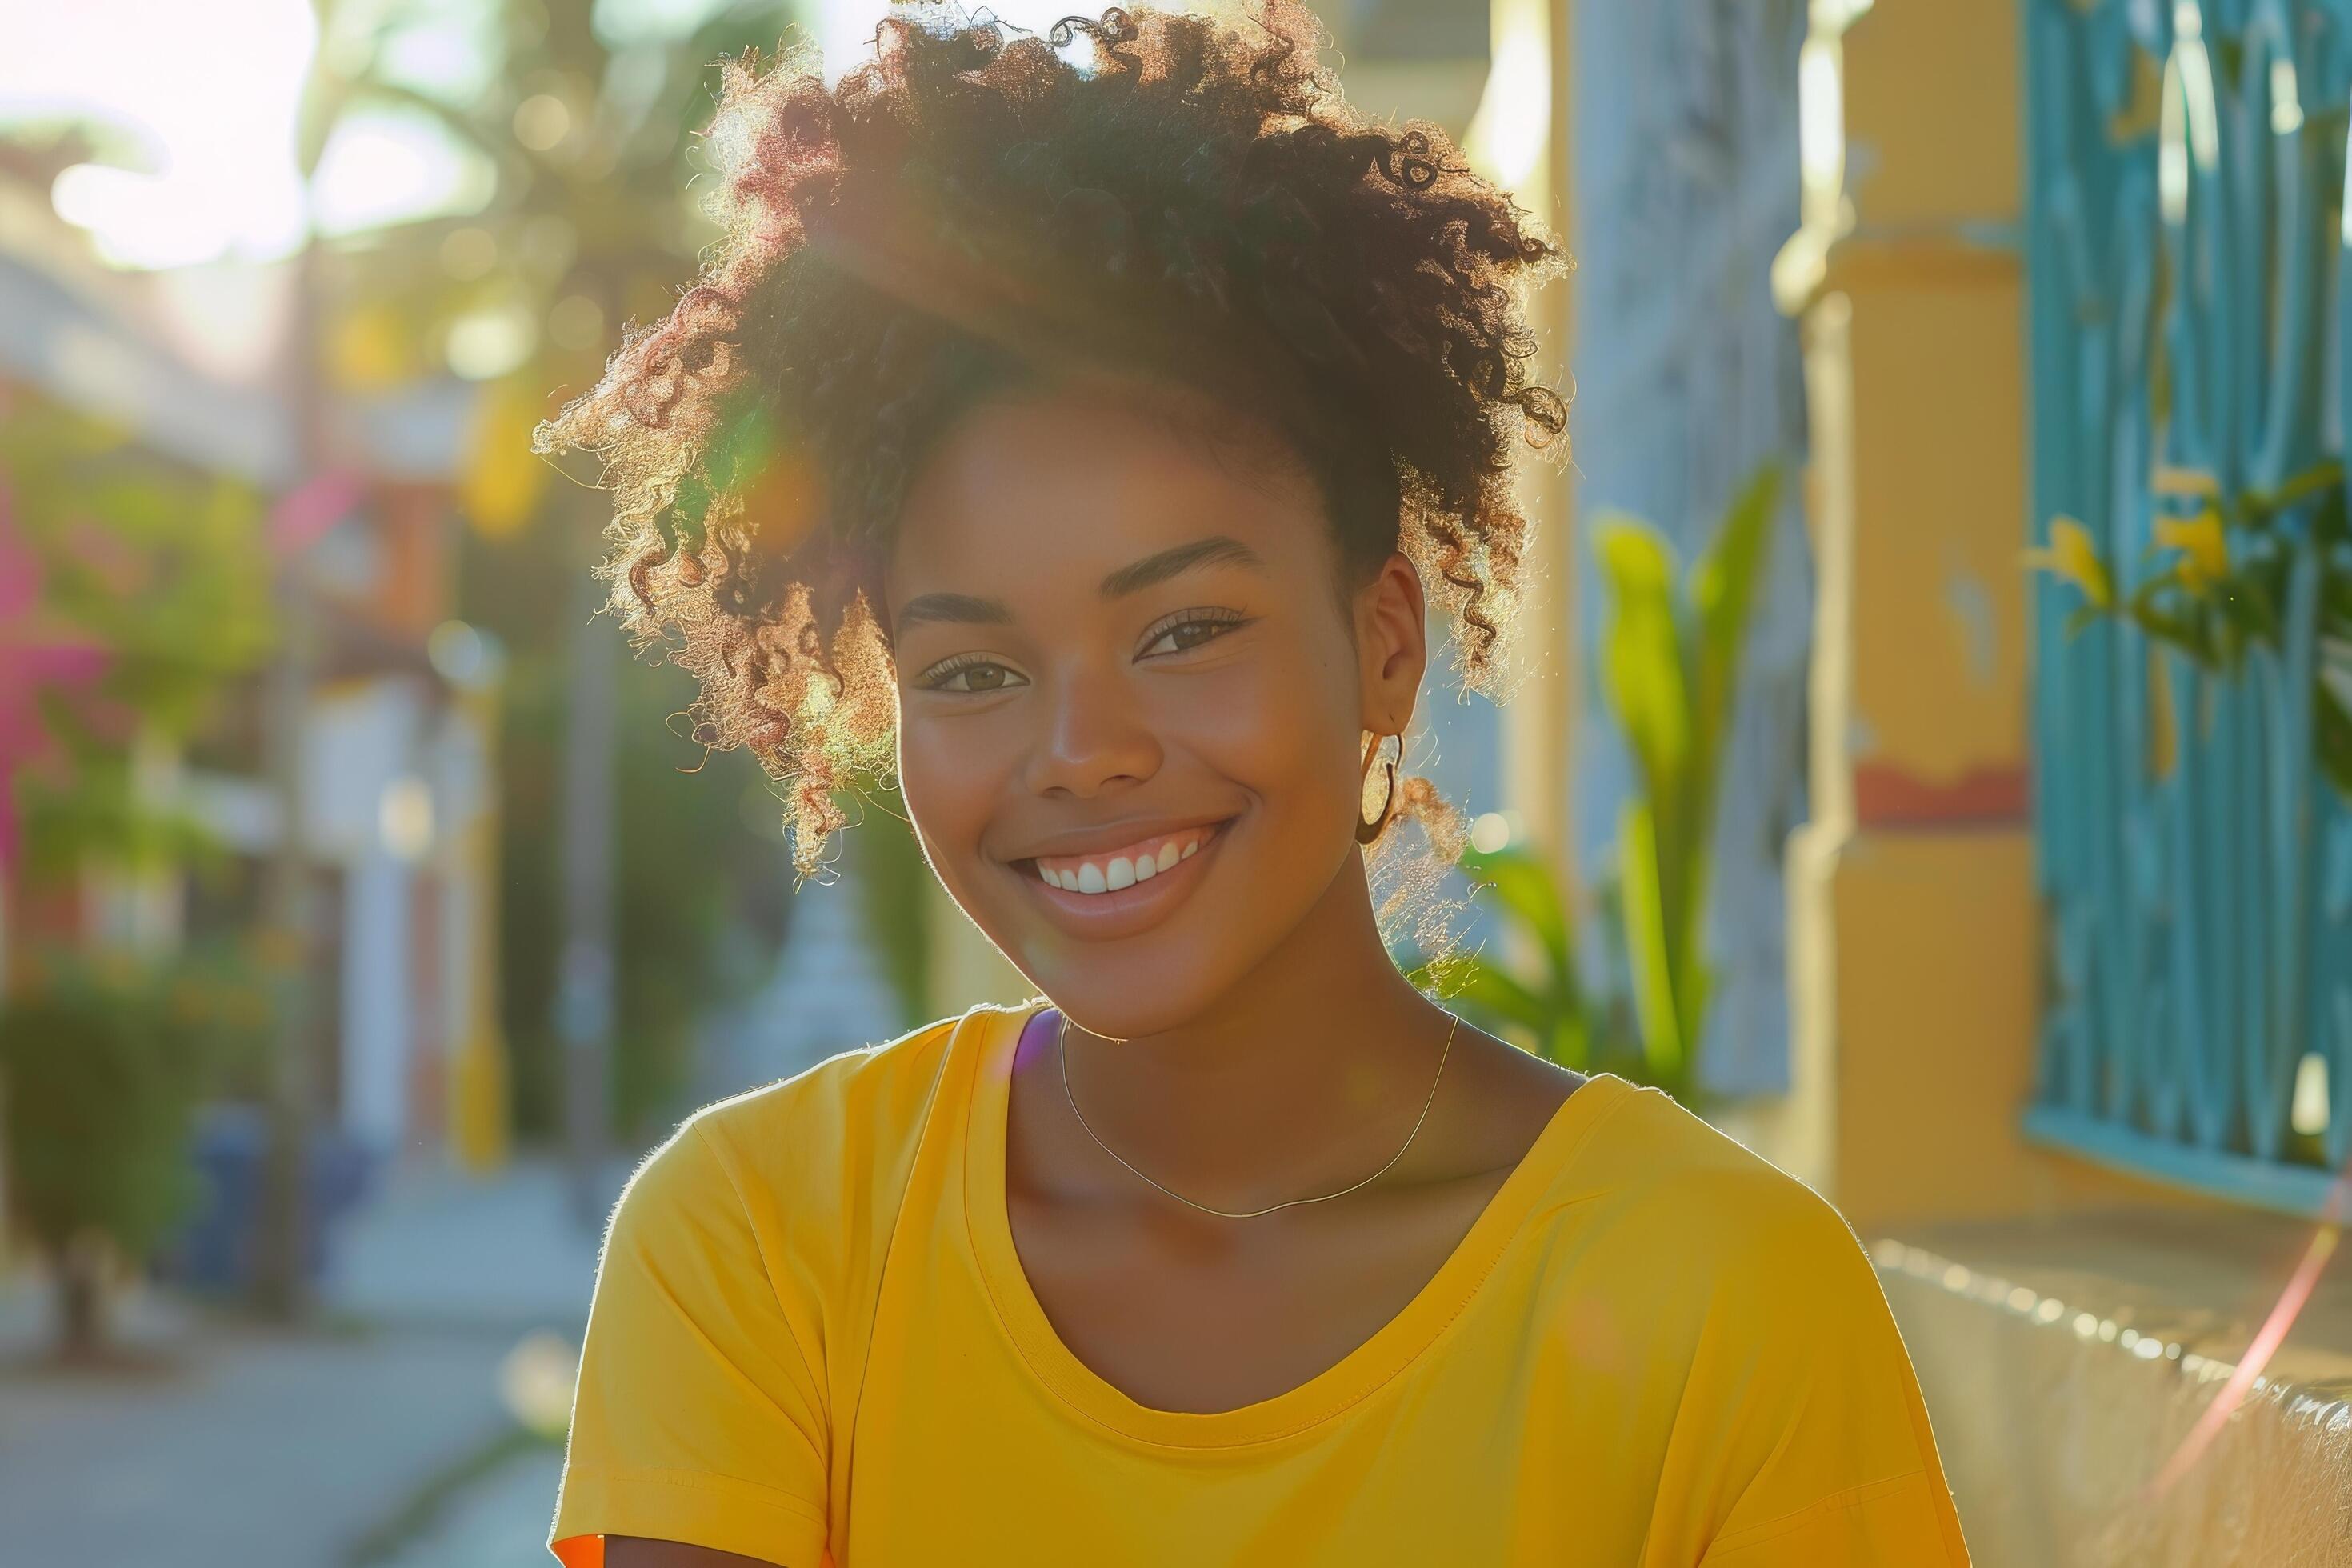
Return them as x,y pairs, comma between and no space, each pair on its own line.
811,1343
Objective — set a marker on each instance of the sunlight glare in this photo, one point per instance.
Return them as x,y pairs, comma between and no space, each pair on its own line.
404,818
386,166
490,343
1508,134
143,220
2286,102
2308,1111
208,99
1491,832
203,113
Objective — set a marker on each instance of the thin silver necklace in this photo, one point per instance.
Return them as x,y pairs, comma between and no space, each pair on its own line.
1061,1045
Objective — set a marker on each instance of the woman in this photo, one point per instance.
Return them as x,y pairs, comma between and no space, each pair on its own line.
1089,429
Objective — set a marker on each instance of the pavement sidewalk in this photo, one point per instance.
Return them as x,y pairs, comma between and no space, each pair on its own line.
500,1523
261,1448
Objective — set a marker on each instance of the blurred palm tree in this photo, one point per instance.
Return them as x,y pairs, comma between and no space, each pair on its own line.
583,128
583,133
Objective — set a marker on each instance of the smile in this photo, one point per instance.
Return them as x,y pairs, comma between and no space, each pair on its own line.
1118,891
1107,871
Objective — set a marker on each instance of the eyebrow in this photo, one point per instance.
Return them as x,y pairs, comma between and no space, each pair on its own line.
1216,550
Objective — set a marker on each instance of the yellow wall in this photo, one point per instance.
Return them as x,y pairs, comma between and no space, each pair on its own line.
1938,1005
1915,944
1939,609
1932,113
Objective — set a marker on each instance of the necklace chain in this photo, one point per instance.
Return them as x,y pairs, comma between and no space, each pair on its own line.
1061,1051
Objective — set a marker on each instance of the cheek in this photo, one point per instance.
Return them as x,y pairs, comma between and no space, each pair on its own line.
1274,734
949,790
1288,734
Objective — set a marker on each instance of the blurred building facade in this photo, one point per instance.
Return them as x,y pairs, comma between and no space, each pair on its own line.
2044,1061
398,773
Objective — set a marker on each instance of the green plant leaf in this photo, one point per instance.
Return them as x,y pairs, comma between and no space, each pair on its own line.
1526,891
103,1061
2332,739
1570,1042
1723,599
1724,585
1641,656
1648,947
1484,986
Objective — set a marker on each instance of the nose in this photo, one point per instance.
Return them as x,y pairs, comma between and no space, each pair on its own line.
1098,737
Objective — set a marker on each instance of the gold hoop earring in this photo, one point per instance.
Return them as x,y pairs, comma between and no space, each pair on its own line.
1368,831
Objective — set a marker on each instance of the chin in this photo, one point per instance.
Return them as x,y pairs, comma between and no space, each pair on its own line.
1121,999
1146,985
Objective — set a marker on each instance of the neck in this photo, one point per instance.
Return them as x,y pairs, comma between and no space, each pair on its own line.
1304,1075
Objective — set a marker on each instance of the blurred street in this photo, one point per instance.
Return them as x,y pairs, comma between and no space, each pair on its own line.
381,1435
500,1523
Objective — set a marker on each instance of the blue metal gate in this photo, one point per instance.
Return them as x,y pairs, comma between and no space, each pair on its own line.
2187,248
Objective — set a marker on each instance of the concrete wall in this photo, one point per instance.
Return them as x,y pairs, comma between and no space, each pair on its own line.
1682,154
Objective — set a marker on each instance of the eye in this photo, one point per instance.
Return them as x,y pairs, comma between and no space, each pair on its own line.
985,675
1188,629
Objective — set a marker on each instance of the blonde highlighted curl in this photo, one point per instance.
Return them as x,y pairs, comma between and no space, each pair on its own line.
1196,205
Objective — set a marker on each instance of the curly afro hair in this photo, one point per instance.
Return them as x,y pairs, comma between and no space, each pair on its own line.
1196,209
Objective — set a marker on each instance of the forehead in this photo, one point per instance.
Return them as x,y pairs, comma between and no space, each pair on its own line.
1068,486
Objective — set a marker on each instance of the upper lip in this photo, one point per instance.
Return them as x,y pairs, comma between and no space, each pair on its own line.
1114,835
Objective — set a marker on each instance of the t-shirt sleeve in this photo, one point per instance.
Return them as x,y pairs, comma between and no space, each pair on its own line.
1830,1461
700,1413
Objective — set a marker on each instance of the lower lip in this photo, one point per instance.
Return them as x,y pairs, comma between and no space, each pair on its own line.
1139,906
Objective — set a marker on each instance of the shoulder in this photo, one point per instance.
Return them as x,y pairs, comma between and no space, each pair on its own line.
1796,1414
1714,1221
1654,1153
1737,1308
826,1142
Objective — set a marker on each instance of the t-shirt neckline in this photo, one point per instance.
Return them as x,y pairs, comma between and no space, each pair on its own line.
1391,1348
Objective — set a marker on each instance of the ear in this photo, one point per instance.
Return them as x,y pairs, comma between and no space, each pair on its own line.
1393,633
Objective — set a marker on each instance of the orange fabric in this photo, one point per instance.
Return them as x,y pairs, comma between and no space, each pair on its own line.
812,1342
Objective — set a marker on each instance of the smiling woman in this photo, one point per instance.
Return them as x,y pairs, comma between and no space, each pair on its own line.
1197,214
1078,440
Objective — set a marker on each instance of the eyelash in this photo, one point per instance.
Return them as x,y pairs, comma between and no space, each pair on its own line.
1227,620
936,677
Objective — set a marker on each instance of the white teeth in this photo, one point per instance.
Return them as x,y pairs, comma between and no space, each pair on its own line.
1121,871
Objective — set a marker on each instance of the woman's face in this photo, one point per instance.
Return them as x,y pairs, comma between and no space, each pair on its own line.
1112,644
